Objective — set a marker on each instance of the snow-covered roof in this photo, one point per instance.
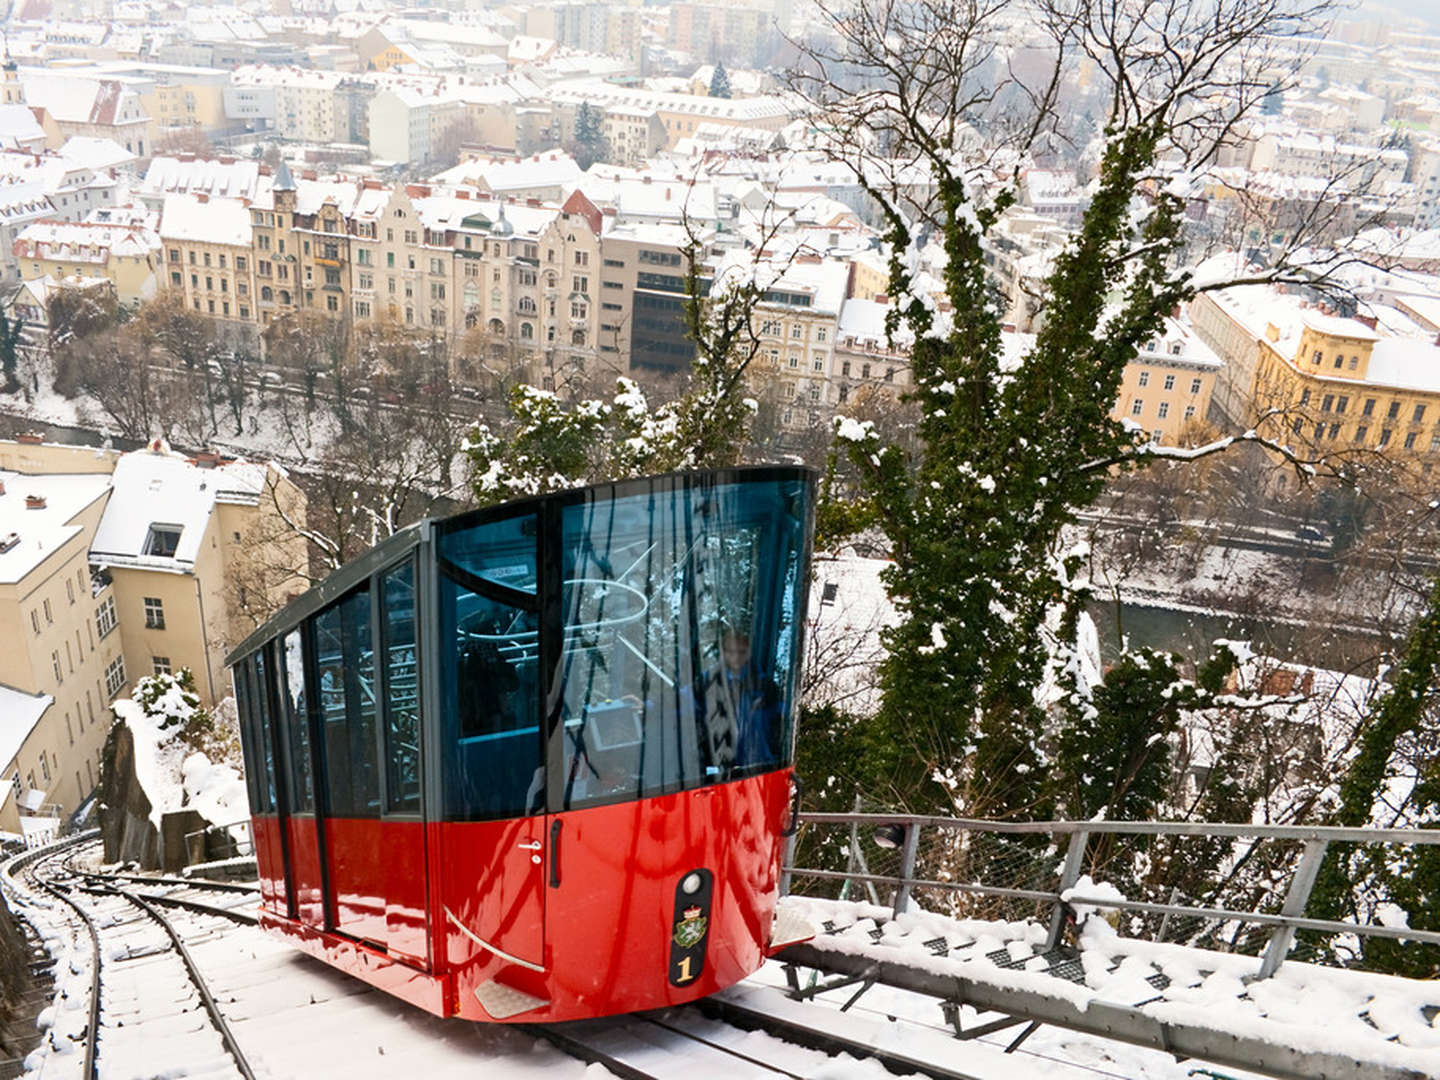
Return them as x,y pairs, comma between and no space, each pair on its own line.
19,713
599,93
1406,363
203,220
552,169
167,491
18,125
228,178
83,101
95,153
42,529
84,243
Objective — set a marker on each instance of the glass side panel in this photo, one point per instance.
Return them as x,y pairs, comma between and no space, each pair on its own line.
402,692
490,706
298,723
680,612
260,707
499,551
248,734
345,663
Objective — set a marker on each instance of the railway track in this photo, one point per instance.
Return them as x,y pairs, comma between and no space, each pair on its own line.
169,976
144,991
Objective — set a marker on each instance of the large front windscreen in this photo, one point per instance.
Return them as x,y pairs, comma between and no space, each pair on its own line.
679,637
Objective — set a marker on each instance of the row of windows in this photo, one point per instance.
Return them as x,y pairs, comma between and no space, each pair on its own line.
1144,380
1162,411
1341,402
1331,431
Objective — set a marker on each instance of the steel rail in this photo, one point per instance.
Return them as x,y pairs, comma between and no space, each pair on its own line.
1331,833
748,1019
564,1041
92,1027
216,1016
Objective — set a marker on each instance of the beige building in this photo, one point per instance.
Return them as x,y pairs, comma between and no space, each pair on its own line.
1169,384
128,256
114,566
207,246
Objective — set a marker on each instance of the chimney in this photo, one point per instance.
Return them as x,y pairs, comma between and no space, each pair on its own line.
1368,320
8,541
1272,332
34,502
201,197
667,194
881,298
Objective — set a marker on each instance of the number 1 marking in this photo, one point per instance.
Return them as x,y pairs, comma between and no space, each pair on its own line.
685,975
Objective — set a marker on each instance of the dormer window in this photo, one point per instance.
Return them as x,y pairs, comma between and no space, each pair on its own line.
163,540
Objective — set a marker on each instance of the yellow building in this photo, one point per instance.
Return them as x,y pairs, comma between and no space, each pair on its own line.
126,255
114,566
1336,383
1169,384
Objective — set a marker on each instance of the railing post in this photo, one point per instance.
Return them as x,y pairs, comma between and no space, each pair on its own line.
787,860
907,867
1295,900
1069,874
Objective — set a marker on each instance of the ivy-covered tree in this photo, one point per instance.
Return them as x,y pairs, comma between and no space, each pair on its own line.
720,81
11,330
1012,447
1409,712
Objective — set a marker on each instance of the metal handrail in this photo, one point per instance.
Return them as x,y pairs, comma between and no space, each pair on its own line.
1332,833
1317,839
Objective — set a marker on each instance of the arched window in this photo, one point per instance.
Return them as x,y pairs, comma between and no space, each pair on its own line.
284,296
527,332
527,305
496,327
266,293
471,319
472,294
577,337
494,299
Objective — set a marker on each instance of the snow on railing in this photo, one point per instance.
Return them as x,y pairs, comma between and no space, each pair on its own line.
1015,869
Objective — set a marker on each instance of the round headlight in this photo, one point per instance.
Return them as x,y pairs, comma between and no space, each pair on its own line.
691,884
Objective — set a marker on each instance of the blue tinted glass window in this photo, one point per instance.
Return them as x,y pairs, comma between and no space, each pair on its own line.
402,692
345,664
260,708
490,705
680,636
499,551
298,723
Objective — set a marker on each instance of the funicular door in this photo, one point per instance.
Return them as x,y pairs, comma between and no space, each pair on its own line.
352,842
299,822
370,849
494,840
270,701
406,900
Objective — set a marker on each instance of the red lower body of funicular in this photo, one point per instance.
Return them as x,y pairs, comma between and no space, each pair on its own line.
487,921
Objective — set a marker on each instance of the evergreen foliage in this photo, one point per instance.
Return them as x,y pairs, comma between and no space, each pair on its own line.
1009,457
720,81
590,143
1412,879
10,332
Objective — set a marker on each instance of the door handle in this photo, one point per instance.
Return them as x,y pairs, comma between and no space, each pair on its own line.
533,845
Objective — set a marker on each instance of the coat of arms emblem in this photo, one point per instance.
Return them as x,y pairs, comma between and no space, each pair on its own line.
691,928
